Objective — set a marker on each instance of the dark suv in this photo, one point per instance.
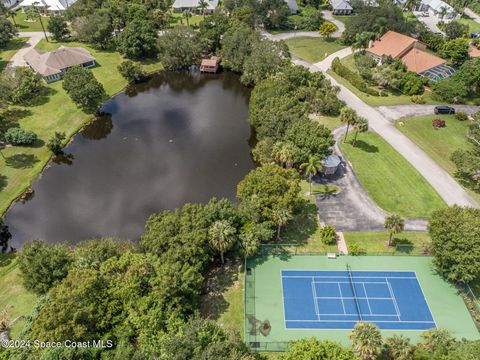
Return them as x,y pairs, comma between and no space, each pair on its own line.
444,110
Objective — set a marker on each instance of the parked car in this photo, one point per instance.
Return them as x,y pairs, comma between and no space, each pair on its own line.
444,110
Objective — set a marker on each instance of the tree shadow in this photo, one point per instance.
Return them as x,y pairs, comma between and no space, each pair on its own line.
21,161
364,146
302,226
63,158
220,278
42,96
3,182
403,245
9,118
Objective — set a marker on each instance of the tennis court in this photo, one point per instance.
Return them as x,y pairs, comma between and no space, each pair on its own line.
290,297
339,299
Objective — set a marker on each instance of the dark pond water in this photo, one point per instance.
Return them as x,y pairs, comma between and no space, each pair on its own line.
179,138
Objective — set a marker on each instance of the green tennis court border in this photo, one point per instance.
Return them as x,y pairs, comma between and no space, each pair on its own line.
264,314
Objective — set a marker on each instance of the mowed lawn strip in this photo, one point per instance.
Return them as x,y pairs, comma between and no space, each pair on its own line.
394,184
439,144
26,26
14,298
313,50
54,112
377,242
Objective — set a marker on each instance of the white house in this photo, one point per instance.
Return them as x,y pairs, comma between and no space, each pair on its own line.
435,7
9,3
52,65
341,7
48,5
292,5
193,5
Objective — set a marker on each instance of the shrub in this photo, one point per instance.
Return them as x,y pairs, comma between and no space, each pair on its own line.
328,235
355,249
417,99
438,123
55,144
412,84
131,71
355,79
461,116
18,136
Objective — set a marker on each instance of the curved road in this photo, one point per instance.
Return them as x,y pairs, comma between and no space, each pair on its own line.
446,186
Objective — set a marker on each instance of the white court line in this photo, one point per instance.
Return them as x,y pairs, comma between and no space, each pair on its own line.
368,302
341,276
377,321
350,298
341,297
355,314
317,312
393,298
348,282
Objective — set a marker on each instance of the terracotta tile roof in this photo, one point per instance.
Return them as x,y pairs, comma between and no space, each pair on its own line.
418,60
391,43
474,52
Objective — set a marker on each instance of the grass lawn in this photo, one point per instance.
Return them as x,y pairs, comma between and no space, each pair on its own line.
330,122
389,179
54,111
13,296
232,317
438,144
23,25
313,50
472,24
12,47
376,242
180,20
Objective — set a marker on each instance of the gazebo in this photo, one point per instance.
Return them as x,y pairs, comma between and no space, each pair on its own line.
330,164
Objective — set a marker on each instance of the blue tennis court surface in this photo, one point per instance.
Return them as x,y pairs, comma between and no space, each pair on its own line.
338,299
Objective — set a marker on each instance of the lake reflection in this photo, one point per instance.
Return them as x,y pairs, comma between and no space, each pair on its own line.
178,138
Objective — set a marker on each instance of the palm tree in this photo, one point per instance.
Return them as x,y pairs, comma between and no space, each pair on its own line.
366,340
249,243
284,153
222,236
394,225
311,169
281,217
361,126
187,15
33,13
203,5
398,348
349,117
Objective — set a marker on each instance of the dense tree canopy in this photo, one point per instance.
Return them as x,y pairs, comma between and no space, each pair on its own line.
138,40
456,242
7,31
180,47
236,46
313,349
58,27
43,266
95,29
83,88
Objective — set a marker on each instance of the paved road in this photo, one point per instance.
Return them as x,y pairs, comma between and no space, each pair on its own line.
472,15
352,209
393,113
446,186
327,15
34,39
293,34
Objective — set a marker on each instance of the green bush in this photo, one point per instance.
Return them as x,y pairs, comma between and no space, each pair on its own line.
55,144
461,116
412,84
131,71
355,249
329,235
18,136
417,99
355,79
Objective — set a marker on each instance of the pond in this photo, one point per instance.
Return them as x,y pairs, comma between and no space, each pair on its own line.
181,137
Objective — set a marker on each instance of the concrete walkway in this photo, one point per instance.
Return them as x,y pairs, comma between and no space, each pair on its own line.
446,186
352,209
341,244
34,39
472,15
393,113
